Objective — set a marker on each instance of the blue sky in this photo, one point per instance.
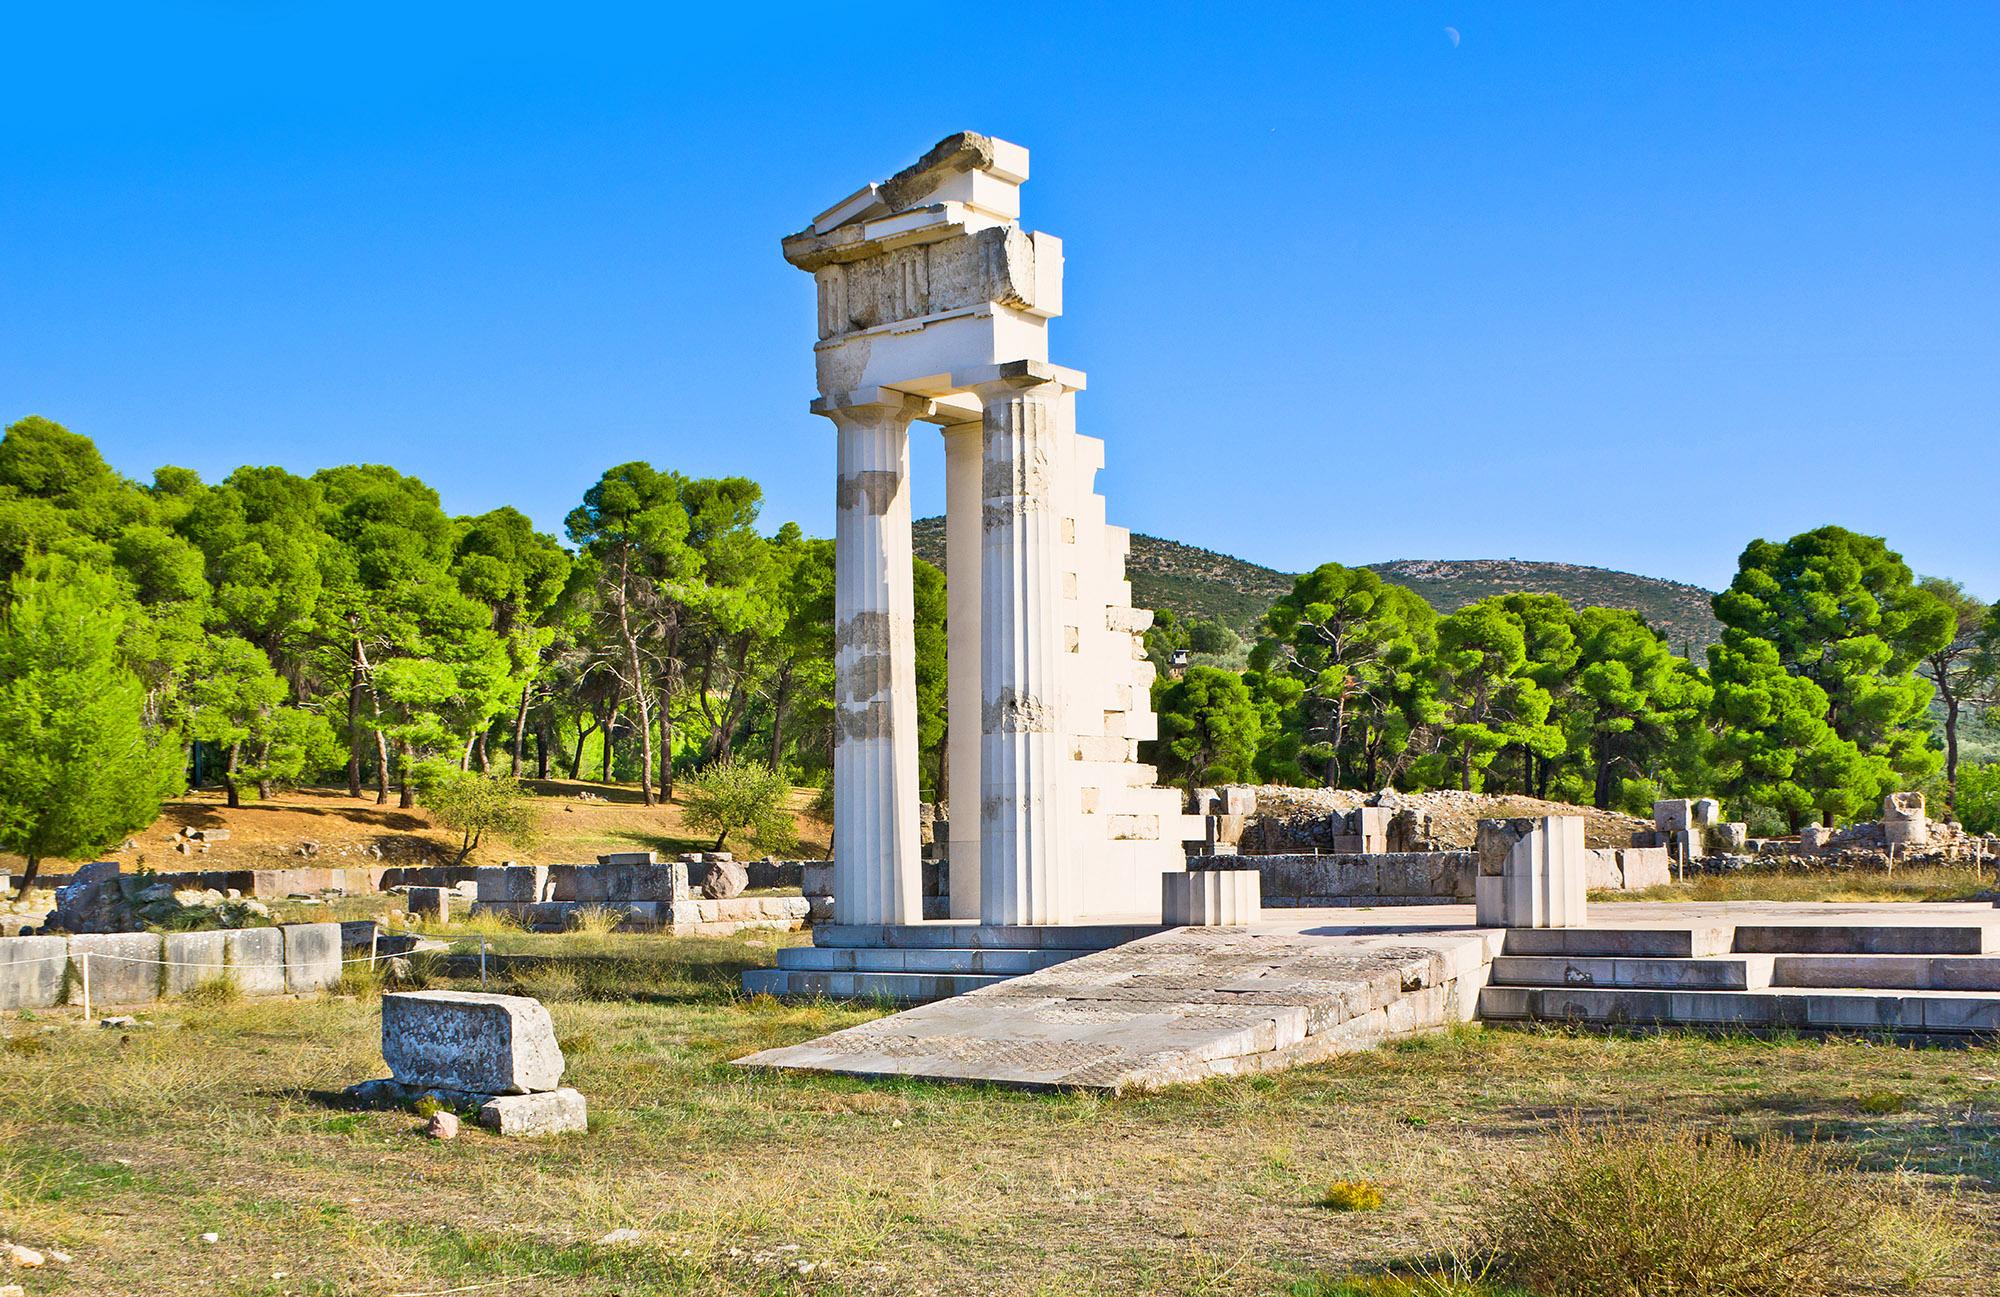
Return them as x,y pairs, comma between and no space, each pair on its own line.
1598,283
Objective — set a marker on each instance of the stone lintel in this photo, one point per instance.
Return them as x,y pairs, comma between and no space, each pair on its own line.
871,399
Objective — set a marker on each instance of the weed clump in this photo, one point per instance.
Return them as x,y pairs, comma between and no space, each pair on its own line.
1675,1212
1352,1195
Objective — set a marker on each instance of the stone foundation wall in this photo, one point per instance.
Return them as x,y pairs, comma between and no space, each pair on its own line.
133,968
1397,878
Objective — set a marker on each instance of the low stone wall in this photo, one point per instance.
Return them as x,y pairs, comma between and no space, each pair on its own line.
132,968
689,916
305,880
1627,869
1386,878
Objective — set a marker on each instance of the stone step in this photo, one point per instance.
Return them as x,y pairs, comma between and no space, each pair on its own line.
896,988
1893,972
983,936
1724,973
1614,943
1910,1012
1860,939
896,959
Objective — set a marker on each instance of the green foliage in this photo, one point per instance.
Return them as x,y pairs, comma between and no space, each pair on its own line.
78,767
474,805
1357,650
732,795
1842,612
932,674
1209,728
1978,805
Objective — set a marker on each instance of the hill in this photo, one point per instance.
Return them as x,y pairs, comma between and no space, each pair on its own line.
1200,582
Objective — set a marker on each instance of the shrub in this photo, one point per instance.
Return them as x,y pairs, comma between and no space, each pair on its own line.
1352,1195
211,992
1674,1212
1882,1103
731,795
595,920
1978,803
473,805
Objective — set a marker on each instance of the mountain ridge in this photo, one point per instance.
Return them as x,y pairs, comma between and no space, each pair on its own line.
1193,581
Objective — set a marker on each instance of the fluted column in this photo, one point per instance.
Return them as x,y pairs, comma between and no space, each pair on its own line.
877,875
1021,865
963,509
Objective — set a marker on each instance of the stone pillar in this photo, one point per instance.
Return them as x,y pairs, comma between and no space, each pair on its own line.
1022,756
1532,873
963,511
878,876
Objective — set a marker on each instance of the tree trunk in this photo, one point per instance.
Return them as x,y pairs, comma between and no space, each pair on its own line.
229,775
409,793
34,869
381,768
666,743
611,733
1951,752
542,749
576,757
354,724
779,700
520,733
637,680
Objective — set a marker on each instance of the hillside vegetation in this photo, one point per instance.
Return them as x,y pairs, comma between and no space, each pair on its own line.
1200,582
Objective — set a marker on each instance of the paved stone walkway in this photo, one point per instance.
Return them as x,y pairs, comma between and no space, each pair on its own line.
1180,1006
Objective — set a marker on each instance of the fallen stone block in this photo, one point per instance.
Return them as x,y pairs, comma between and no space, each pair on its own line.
471,1041
551,1112
512,884
312,956
31,971
432,903
629,858
724,879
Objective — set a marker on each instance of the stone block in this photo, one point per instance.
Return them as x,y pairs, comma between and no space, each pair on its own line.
255,959
31,971
629,858
1239,801
1644,867
1815,837
194,958
1705,812
1206,897
432,903
1541,872
1672,815
1602,871
312,956
724,879
471,1041
512,884
1732,837
550,1112
816,878
124,966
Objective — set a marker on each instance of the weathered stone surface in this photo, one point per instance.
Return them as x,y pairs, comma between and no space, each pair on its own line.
432,903
470,1040
512,884
1734,836
31,971
1531,872
124,966
548,1112
255,960
629,858
1207,897
193,958
724,879
312,956
1705,812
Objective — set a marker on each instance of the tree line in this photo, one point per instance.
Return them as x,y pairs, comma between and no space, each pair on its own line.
272,629
1817,701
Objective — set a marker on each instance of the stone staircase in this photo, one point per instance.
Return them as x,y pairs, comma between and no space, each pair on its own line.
1907,980
920,963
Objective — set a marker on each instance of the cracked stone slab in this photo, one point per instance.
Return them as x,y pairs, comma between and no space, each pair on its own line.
1177,1007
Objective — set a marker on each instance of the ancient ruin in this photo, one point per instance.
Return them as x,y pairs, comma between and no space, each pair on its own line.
934,303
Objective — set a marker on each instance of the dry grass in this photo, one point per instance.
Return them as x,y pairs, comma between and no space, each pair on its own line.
123,1147
1672,1211
1842,886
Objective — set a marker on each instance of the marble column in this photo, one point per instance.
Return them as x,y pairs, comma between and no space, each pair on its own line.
963,509
877,870
1022,756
